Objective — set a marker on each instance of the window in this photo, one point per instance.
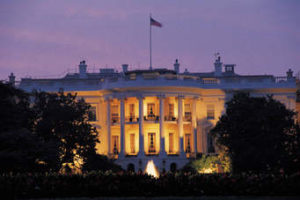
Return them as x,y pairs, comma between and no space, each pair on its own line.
131,111
114,114
187,112
132,143
171,110
187,143
92,116
150,109
115,144
151,142
171,142
210,111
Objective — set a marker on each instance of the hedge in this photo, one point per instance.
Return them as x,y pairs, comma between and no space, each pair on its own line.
100,184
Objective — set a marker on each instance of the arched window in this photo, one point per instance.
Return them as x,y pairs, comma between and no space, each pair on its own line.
173,167
130,167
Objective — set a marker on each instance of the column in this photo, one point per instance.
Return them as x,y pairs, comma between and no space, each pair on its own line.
122,127
141,127
108,127
161,126
194,123
180,125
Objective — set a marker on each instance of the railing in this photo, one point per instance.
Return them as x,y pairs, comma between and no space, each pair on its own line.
165,77
187,118
151,118
131,119
170,118
280,79
115,120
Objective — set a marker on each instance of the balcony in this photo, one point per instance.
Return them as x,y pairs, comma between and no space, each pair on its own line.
151,118
115,120
170,119
132,120
187,118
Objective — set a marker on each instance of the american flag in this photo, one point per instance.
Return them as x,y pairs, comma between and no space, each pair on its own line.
155,23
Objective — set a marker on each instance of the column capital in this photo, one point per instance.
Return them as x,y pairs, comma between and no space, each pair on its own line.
196,98
140,96
180,96
107,98
161,96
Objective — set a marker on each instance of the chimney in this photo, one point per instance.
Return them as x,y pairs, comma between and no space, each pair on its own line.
176,66
218,67
289,75
82,69
125,68
12,79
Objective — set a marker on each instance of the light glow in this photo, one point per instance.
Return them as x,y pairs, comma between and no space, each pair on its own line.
151,169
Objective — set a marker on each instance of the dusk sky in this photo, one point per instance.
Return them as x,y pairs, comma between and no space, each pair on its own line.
47,38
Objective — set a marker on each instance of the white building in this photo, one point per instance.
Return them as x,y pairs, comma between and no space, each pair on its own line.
161,115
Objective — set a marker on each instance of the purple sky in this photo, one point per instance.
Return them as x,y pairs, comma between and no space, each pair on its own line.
46,38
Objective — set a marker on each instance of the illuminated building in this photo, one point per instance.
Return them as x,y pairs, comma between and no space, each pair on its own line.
161,115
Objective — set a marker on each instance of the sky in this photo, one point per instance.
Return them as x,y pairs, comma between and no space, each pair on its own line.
48,38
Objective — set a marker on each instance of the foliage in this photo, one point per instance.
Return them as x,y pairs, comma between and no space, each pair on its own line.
102,184
20,150
15,108
41,131
254,132
62,121
209,164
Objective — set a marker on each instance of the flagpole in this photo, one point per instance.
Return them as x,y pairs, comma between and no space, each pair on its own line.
150,43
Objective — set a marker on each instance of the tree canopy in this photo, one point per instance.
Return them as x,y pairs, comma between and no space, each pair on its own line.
62,120
46,129
258,133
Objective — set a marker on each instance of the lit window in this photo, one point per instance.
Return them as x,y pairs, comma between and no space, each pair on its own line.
115,114
132,143
171,142
171,110
187,141
115,144
150,109
187,112
151,142
92,116
210,111
131,111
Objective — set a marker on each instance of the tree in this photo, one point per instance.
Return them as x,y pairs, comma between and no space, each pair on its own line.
255,132
62,121
20,150
15,108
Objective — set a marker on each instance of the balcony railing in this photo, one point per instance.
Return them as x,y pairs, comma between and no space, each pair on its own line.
187,118
115,120
151,118
170,118
131,119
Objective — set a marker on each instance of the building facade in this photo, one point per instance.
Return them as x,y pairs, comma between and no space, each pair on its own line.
161,115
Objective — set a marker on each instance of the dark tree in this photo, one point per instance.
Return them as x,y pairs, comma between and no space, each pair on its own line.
62,121
20,150
15,109
258,134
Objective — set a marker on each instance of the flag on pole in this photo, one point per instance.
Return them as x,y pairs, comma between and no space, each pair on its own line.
155,23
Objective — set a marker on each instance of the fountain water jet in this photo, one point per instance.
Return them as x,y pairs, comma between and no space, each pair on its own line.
151,169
